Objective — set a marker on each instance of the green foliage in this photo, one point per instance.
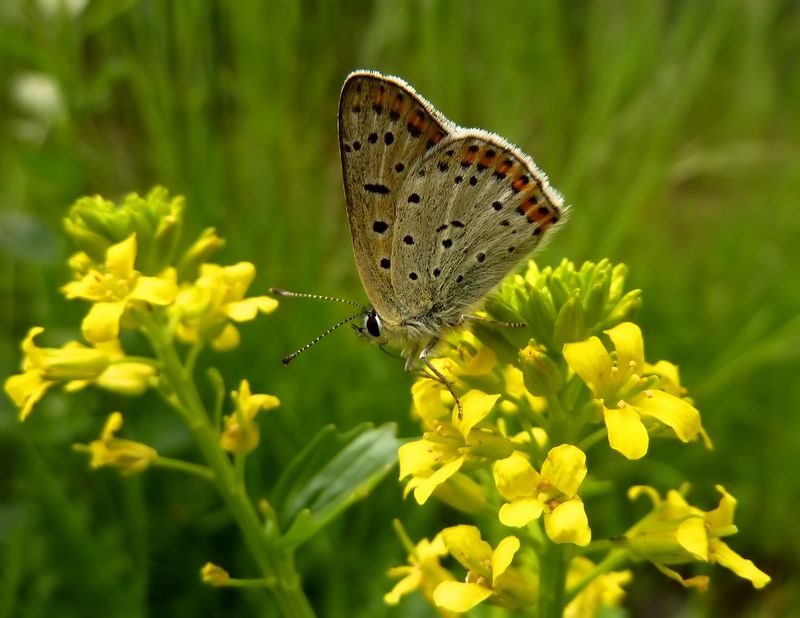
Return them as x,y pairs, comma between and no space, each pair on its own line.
330,474
670,127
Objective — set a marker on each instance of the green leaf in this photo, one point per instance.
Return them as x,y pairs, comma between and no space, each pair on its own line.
329,475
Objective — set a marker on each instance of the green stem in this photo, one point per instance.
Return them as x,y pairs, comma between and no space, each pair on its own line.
612,561
274,564
552,581
183,466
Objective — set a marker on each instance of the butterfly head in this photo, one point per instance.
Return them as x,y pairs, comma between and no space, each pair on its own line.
372,328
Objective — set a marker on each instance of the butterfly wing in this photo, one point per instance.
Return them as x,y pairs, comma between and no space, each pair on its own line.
480,207
385,129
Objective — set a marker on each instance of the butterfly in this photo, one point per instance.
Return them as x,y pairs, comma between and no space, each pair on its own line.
438,214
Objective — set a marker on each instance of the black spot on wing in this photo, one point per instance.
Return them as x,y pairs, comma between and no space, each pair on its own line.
377,188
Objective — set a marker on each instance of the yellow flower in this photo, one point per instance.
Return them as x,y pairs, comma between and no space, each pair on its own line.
443,450
241,434
116,287
423,571
553,492
675,532
489,573
604,591
206,307
627,397
77,366
214,575
45,367
129,456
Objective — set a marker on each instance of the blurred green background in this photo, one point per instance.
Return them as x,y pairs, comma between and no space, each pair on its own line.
671,128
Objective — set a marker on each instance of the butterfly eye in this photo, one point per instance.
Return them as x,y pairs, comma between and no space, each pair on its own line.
373,324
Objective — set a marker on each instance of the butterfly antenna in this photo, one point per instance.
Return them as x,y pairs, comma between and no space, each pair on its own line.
287,293
293,355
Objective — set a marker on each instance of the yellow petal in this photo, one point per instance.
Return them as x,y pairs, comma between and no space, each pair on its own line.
626,433
416,458
260,402
112,425
120,258
403,587
568,523
637,490
88,287
693,538
565,468
482,362
515,477
427,486
32,352
126,378
520,512
465,545
26,389
699,582
744,568
670,376
458,597
227,340
476,406
102,321
628,343
247,309
722,516
155,290
672,411
590,360
428,404
240,274
503,555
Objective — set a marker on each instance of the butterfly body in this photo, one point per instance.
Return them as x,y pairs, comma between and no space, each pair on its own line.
438,214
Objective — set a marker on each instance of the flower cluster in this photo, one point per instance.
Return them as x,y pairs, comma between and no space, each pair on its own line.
129,270
139,284
539,405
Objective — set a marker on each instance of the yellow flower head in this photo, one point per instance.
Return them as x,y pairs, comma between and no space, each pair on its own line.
129,456
627,397
443,450
115,287
675,532
206,308
241,434
489,573
553,492
423,571
75,365
43,368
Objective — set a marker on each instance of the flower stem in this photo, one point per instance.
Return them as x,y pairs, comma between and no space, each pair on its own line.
274,564
552,581
183,466
612,561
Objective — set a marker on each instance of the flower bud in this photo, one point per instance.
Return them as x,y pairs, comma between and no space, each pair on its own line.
541,373
569,324
198,253
214,575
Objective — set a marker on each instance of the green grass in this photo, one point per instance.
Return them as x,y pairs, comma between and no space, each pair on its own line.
671,128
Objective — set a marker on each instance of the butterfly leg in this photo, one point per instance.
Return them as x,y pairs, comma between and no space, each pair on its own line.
477,318
423,357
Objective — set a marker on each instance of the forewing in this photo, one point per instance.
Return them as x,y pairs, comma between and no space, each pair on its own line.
385,129
474,208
